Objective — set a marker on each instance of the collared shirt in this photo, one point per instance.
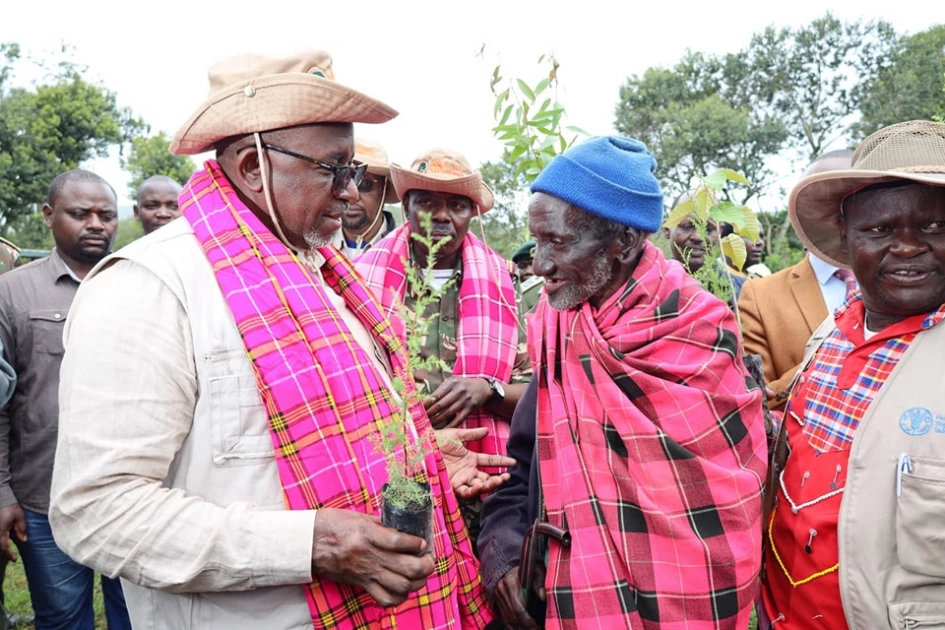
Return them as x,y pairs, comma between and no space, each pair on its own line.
353,249
832,288
834,392
34,302
443,316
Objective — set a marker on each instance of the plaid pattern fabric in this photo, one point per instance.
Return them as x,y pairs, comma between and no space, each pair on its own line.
652,454
487,333
847,373
324,398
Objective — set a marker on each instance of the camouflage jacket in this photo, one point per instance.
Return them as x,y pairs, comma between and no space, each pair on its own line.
531,293
443,316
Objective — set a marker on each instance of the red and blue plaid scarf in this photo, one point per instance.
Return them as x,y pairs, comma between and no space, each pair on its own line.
652,454
325,398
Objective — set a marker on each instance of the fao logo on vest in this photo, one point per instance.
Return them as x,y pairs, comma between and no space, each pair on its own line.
919,421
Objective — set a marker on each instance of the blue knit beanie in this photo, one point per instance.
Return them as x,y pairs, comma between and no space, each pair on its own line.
609,176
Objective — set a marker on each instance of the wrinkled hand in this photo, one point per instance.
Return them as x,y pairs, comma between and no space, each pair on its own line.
456,398
463,465
509,604
11,517
354,548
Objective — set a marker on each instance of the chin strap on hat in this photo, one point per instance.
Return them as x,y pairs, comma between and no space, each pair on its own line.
264,172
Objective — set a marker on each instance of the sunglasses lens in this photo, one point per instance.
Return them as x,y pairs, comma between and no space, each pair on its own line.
366,185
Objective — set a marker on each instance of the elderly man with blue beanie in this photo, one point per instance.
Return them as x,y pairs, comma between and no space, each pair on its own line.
636,500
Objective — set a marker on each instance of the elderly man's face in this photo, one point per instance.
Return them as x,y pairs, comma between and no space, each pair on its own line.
896,241
578,265
449,220
301,191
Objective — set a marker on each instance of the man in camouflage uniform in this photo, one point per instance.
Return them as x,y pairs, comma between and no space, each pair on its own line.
529,282
484,375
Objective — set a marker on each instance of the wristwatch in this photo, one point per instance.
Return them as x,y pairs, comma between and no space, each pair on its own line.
498,392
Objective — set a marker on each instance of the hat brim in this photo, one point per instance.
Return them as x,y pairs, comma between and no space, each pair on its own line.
276,102
815,206
470,186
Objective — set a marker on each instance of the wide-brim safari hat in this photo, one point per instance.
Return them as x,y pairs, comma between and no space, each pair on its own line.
913,151
253,93
374,155
442,170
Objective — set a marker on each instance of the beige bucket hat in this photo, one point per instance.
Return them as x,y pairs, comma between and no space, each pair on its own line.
913,150
250,93
374,155
442,170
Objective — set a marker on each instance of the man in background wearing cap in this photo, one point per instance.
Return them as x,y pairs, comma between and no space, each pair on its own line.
475,328
854,539
365,222
530,283
779,313
223,377
642,472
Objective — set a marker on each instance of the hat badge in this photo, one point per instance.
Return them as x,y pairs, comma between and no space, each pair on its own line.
422,167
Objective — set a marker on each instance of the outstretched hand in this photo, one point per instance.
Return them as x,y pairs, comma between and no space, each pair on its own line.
465,466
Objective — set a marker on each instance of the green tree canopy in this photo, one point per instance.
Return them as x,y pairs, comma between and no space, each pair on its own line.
811,77
790,92
683,117
150,156
910,87
49,128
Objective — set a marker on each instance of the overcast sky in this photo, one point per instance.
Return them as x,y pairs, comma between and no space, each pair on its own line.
419,57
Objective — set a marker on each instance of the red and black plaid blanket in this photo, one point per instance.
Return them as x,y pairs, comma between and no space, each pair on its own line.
652,455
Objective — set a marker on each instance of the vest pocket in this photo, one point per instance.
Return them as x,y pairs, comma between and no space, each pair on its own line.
240,424
920,536
907,615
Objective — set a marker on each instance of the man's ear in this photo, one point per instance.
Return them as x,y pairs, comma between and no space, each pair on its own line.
631,241
47,214
135,208
248,170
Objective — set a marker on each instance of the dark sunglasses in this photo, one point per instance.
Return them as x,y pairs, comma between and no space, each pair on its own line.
343,174
367,185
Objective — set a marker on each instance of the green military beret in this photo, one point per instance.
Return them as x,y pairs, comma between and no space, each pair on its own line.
524,252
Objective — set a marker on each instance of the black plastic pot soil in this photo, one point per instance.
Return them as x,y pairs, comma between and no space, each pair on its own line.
416,522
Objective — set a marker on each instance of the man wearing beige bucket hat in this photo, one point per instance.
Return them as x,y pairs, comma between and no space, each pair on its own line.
854,538
475,328
223,378
365,222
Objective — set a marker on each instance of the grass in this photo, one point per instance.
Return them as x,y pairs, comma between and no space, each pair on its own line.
17,596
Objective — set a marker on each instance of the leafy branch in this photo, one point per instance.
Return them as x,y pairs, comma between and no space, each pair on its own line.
706,204
532,130
403,448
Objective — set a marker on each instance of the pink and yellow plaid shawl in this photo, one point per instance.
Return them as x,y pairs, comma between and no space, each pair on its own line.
652,454
487,333
324,397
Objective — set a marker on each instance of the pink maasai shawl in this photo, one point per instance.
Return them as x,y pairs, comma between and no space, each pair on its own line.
487,329
652,454
325,398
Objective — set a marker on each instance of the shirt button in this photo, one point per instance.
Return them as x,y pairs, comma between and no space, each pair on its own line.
445,318
57,315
